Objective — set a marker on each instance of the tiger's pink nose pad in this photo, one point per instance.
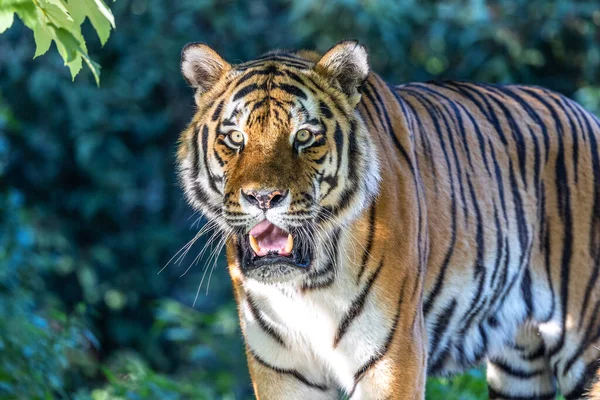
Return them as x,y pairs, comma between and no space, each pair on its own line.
265,199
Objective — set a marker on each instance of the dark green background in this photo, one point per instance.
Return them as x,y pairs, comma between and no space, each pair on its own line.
89,206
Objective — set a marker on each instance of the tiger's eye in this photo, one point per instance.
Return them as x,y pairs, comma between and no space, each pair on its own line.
303,136
236,137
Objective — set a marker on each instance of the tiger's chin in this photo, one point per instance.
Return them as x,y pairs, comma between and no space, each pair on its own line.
285,259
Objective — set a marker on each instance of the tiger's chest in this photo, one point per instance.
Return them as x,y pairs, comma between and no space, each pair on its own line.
318,333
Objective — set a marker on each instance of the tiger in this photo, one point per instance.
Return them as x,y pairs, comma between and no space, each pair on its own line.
377,234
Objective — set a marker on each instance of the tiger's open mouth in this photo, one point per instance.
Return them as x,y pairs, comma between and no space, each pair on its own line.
268,251
266,238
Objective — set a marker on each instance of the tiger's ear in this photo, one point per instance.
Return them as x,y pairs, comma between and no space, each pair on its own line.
348,63
202,67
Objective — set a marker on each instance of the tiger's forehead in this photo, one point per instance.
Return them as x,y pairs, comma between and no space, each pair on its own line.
270,91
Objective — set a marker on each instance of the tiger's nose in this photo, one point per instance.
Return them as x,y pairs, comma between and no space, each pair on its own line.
265,199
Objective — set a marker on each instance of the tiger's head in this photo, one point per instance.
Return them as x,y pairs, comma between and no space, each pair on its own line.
277,154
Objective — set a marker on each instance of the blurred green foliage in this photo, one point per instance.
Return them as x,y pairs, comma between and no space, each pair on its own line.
90,210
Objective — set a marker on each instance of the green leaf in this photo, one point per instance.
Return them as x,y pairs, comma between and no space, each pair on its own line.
27,13
6,19
78,10
43,39
93,66
75,67
69,49
98,13
73,53
103,8
67,44
57,14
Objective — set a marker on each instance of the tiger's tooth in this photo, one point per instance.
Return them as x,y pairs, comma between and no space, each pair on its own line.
289,244
254,244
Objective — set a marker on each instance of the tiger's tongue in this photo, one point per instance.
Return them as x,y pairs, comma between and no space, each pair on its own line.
266,237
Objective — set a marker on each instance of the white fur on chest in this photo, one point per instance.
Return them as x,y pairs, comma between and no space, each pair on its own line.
308,323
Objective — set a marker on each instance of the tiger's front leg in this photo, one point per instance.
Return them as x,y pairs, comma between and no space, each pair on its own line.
273,383
401,372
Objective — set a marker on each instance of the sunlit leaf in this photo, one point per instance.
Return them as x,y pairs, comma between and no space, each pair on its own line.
106,12
68,45
26,13
93,66
99,15
6,19
43,39
56,14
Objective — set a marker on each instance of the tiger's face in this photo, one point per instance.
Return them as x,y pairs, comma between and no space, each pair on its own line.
277,154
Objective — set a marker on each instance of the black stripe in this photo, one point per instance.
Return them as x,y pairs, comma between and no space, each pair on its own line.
285,54
292,90
195,154
369,245
269,70
524,240
381,352
496,394
520,145
500,182
439,328
325,110
588,339
526,291
499,247
516,372
353,154
264,325
246,90
202,198
560,103
210,177
535,354
220,161
583,385
291,372
479,268
326,276
338,138
356,307
280,59
594,234
563,195
388,125
218,110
